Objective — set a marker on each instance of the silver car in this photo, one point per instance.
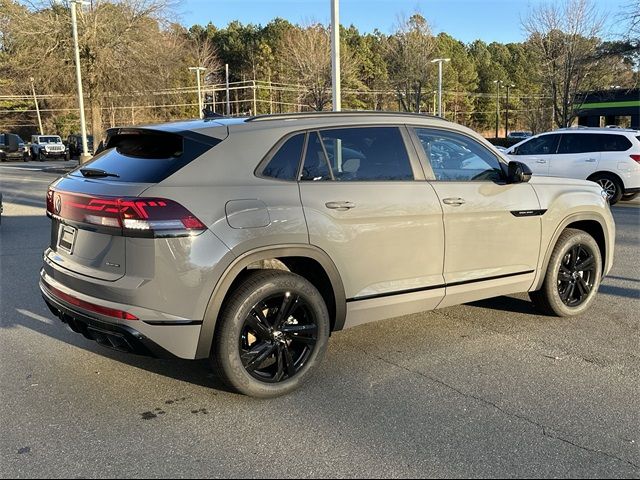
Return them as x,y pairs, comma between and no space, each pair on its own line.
248,241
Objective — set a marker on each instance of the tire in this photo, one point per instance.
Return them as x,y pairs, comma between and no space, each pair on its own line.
568,290
40,156
611,185
290,352
629,197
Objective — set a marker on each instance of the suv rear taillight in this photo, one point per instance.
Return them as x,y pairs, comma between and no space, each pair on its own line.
129,216
635,157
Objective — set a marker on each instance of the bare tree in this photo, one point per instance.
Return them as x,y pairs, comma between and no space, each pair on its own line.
126,49
409,53
307,57
565,35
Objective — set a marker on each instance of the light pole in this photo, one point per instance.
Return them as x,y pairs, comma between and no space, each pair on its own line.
440,60
498,83
84,156
198,70
226,74
35,99
435,92
506,120
335,55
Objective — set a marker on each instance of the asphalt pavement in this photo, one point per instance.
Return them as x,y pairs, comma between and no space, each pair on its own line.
489,389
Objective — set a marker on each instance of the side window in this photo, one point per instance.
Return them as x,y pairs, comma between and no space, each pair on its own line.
457,158
284,164
579,143
2,139
367,154
315,166
614,143
545,145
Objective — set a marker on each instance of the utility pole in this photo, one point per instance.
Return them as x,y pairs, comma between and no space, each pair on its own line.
35,99
84,156
498,83
335,55
255,100
226,72
198,70
506,120
440,60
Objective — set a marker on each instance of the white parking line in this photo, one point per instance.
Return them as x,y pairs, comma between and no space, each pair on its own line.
34,169
35,316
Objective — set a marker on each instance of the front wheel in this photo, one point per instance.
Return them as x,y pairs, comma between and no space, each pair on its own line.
272,334
41,156
572,277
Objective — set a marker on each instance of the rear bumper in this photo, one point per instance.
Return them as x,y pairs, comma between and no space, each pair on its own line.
151,335
116,337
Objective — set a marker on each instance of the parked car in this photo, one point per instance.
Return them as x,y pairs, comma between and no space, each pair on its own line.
610,157
12,148
519,135
74,144
48,146
241,240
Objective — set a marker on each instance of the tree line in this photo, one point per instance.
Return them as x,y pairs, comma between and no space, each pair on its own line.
135,63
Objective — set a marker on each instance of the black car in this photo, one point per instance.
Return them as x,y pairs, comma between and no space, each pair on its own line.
12,148
74,143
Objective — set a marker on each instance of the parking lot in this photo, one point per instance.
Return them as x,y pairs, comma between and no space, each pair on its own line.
489,389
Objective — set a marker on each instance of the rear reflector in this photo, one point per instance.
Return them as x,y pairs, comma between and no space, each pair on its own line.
636,158
144,217
109,312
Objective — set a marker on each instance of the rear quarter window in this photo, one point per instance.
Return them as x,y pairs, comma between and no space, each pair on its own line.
147,156
285,162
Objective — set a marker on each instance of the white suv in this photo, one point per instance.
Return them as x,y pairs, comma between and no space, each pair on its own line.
608,156
48,146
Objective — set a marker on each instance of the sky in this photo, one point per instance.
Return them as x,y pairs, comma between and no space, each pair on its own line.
466,20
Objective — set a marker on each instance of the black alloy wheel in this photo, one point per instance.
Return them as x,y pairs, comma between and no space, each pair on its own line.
278,337
576,276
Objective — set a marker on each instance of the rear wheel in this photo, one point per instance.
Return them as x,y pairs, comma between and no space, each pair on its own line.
572,277
611,185
272,334
629,197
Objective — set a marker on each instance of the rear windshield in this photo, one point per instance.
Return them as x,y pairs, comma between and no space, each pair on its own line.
146,156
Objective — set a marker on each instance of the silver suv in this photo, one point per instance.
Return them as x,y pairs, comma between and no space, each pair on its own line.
248,241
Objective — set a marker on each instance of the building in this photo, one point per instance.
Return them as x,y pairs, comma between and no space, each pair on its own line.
610,107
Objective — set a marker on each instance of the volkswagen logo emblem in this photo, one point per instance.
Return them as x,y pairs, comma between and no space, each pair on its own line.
57,204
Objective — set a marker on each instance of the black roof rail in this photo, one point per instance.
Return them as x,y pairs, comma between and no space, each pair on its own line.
279,116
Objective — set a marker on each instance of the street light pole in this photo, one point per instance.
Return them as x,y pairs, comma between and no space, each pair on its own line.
226,73
198,70
498,83
440,60
84,156
335,55
506,120
35,99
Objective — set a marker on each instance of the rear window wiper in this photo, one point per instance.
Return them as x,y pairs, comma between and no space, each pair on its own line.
96,172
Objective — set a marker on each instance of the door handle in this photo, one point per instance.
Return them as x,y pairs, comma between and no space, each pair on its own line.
340,206
541,161
454,201
590,160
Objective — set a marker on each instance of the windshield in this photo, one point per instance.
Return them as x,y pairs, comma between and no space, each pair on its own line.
42,140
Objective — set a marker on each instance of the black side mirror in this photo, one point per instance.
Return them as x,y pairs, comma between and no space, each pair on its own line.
518,172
